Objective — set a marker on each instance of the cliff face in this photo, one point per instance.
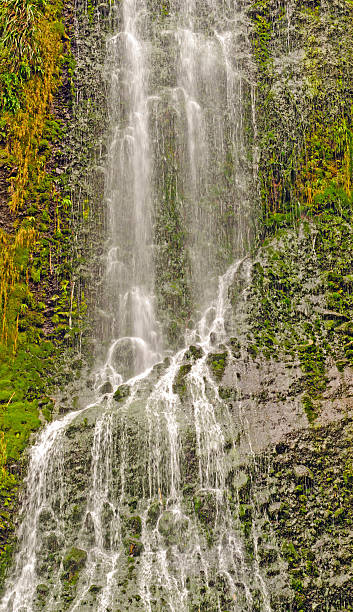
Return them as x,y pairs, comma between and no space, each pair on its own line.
286,374
298,307
35,231
50,183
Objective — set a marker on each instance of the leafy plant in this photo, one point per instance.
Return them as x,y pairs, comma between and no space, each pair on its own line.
19,31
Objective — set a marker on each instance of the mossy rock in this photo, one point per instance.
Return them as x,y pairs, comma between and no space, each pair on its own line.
205,505
194,353
245,512
227,393
179,384
345,328
106,388
133,547
42,592
217,363
303,474
94,589
134,525
172,527
153,513
74,561
122,393
234,347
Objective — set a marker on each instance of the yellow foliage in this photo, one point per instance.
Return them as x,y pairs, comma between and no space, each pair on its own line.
3,454
11,271
327,158
25,128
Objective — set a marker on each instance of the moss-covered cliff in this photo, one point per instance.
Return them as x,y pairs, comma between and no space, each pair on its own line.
46,201
300,309
35,231
286,375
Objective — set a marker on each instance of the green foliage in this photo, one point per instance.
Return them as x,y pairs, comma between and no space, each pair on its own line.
262,35
10,86
36,252
305,143
19,27
20,54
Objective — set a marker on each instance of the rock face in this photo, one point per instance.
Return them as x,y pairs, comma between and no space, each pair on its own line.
223,479
203,485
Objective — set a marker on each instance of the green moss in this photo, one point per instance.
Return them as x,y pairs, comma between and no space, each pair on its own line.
133,547
194,353
310,409
179,383
217,363
73,562
134,525
122,393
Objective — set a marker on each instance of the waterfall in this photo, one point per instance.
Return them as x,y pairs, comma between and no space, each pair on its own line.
129,272
128,503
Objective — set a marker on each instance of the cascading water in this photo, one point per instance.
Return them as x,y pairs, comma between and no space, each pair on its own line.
129,275
129,504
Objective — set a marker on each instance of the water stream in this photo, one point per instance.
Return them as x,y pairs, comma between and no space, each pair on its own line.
128,503
152,512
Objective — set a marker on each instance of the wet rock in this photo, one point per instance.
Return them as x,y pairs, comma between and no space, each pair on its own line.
45,519
235,347
179,383
106,388
217,363
303,474
94,588
268,556
205,504
52,542
159,368
74,561
171,526
133,547
153,513
275,509
240,481
194,353
122,393
166,523
227,393
88,529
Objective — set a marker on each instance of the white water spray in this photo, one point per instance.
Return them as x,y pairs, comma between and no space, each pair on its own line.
128,505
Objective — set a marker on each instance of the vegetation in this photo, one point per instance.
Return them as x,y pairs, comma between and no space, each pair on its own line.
38,310
302,279
306,165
